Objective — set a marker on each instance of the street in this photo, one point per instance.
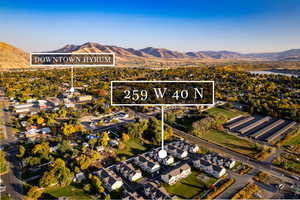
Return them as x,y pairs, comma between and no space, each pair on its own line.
10,180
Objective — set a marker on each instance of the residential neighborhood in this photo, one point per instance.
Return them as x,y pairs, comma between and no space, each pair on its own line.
75,145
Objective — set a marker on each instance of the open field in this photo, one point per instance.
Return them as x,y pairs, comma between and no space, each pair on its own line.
229,113
190,187
232,142
70,191
132,147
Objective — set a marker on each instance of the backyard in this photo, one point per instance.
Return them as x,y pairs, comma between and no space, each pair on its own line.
70,191
132,147
190,187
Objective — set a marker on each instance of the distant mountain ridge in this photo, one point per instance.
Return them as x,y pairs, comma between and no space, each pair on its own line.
12,57
151,52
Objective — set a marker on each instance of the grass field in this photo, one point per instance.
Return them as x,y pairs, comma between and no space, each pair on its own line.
292,143
70,191
231,142
132,147
293,140
229,113
190,187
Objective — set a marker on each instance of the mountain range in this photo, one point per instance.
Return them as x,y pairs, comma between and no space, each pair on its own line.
13,57
151,52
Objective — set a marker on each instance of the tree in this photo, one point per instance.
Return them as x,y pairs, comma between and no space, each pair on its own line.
42,149
58,174
68,129
92,142
40,120
3,162
35,192
105,139
84,161
154,130
21,152
125,137
168,132
97,184
170,118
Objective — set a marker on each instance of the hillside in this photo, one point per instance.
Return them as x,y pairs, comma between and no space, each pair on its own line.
12,57
162,53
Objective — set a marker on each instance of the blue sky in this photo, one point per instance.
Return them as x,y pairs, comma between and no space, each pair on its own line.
238,25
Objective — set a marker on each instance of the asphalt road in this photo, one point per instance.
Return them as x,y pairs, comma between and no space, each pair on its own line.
10,180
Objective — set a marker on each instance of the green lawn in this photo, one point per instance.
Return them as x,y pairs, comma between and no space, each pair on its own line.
190,187
133,147
70,191
231,142
294,140
229,113
292,144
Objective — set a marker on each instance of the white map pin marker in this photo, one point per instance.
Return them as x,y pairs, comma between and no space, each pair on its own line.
72,89
162,153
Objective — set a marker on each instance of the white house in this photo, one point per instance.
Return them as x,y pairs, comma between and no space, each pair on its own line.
176,152
209,168
129,172
45,130
219,160
109,179
166,161
79,177
176,174
192,148
146,164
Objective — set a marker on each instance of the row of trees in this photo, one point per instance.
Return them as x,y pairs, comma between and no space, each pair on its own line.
149,130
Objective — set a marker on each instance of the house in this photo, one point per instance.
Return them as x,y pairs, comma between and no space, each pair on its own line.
45,130
31,131
84,98
113,142
192,148
176,152
209,168
152,191
22,110
219,160
79,177
166,161
54,148
109,179
177,173
129,172
69,105
42,104
146,164
53,101
23,123
23,106
121,115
